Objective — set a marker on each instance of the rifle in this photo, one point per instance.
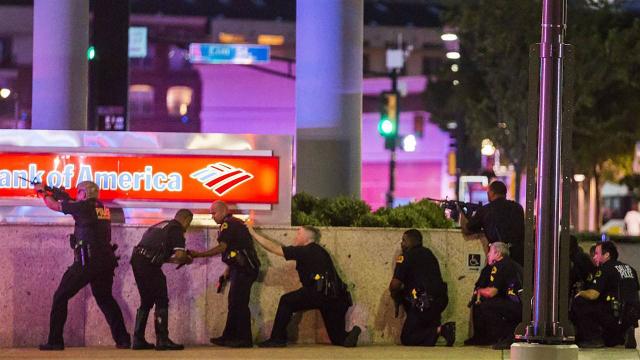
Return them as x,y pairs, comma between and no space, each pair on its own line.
467,207
58,193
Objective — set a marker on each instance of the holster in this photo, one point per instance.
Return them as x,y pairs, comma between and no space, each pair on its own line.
420,300
240,258
329,285
81,251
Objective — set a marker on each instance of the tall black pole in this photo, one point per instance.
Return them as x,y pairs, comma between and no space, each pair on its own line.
545,323
109,70
392,160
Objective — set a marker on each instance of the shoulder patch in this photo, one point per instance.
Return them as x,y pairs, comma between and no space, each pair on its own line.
103,213
400,259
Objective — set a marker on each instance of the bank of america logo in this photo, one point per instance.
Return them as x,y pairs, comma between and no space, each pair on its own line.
220,177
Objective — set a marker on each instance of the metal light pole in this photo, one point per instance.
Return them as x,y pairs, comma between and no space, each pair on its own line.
392,161
547,230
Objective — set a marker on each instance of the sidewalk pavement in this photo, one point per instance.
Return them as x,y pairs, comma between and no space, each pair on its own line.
299,352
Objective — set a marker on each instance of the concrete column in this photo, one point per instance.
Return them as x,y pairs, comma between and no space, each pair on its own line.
329,37
60,68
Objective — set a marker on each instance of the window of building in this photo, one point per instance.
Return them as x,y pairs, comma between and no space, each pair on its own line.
141,99
5,51
178,100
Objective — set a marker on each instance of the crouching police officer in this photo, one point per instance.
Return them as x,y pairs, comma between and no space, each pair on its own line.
498,309
321,289
417,285
94,263
162,242
607,313
238,252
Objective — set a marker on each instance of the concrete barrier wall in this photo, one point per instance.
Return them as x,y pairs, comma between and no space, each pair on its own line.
34,257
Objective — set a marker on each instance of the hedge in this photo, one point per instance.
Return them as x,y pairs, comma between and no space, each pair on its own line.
346,211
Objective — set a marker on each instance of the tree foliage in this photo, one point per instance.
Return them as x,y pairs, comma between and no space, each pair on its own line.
495,36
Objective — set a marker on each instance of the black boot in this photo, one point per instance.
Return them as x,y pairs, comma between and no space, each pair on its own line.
162,332
139,342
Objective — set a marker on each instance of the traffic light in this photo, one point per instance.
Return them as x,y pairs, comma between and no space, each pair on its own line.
388,125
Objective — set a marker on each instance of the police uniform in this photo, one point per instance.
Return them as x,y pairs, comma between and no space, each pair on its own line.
581,272
501,220
321,289
424,296
496,318
94,264
615,310
242,259
158,244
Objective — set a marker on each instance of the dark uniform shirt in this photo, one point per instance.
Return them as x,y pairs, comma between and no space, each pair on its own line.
311,260
582,270
616,280
92,224
235,234
506,277
418,268
501,220
166,236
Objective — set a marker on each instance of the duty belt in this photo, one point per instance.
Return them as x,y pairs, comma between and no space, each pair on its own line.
139,250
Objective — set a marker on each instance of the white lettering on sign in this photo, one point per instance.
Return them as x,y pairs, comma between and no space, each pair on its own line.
145,180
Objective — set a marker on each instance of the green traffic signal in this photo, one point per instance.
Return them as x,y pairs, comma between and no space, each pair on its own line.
386,127
91,53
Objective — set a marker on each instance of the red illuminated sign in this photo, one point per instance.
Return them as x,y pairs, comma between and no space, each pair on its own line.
142,177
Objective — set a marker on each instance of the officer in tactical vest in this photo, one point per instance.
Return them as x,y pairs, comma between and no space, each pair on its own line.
321,289
497,308
237,250
94,263
417,285
607,313
162,242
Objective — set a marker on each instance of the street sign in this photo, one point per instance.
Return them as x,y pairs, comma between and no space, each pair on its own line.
243,54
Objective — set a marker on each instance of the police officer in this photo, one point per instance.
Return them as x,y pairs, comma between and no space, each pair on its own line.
582,268
163,242
417,285
498,308
501,220
94,263
237,250
607,313
321,289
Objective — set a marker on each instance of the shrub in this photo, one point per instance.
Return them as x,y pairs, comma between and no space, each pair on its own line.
346,211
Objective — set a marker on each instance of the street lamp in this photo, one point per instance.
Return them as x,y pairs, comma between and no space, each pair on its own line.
453,55
449,37
5,93
487,149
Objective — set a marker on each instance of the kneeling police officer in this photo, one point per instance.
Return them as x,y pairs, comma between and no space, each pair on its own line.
321,289
607,313
497,309
417,285
162,242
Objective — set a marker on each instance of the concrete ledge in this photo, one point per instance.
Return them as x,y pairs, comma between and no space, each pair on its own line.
34,257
